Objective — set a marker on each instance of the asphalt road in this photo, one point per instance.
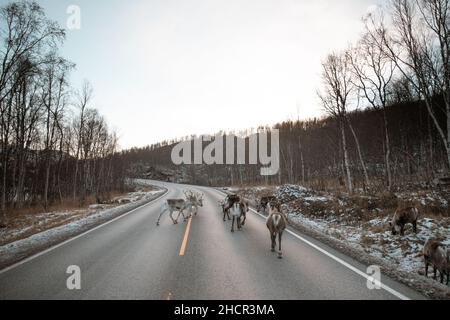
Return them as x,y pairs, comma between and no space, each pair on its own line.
132,258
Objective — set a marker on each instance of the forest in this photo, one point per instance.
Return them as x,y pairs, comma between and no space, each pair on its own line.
385,123
55,146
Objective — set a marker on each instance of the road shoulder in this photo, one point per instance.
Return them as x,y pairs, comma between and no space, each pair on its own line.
424,286
18,251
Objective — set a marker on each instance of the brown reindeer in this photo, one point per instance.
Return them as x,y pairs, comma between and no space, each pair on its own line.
276,223
262,205
402,217
226,212
238,212
226,204
435,255
245,207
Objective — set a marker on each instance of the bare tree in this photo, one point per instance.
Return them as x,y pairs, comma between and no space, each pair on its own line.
84,98
54,98
420,49
373,71
337,84
46,152
436,15
26,33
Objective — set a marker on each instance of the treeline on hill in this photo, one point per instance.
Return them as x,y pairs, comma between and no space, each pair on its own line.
53,144
310,153
399,71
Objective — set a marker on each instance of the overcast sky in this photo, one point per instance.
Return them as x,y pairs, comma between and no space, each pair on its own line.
170,68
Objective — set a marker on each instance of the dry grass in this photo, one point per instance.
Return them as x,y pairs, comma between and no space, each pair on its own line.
367,241
67,204
24,222
379,228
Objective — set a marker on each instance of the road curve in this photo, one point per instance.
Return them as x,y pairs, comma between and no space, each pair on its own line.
132,258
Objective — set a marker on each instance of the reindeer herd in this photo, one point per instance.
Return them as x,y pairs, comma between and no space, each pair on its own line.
238,207
435,254
235,207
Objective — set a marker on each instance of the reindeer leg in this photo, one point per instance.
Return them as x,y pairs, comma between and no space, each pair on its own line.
159,218
185,217
273,244
178,216
232,225
245,218
171,216
280,254
415,226
434,270
181,213
426,268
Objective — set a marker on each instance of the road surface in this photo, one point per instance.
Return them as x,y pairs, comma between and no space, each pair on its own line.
132,258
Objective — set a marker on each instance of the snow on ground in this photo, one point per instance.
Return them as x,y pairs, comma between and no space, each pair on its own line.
362,221
52,227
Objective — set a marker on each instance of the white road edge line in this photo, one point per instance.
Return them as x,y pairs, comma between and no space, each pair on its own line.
15,265
346,264
339,260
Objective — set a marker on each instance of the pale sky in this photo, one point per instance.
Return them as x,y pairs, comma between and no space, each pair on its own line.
169,68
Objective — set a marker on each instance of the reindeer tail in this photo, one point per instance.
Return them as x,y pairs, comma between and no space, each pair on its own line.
276,220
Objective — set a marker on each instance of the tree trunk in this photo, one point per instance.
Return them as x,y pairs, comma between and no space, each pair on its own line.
346,160
387,157
361,160
445,139
47,179
448,135
302,162
75,176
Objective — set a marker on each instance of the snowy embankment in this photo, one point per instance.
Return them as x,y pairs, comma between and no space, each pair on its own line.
20,244
360,224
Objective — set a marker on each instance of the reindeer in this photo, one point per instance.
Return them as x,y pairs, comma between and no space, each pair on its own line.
196,200
226,212
191,203
402,217
228,203
175,205
262,205
435,255
276,223
237,212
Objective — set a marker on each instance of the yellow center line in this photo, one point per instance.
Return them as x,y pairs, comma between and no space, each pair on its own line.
185,239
